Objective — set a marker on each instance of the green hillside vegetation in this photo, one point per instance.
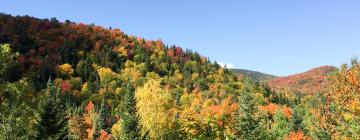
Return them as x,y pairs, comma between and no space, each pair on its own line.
254,75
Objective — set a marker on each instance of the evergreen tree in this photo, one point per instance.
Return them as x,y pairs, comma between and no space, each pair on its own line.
53,122
297,117
101,121
130,124
282,126
261,131
247,124
84,68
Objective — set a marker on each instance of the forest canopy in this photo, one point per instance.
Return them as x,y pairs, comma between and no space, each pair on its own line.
63,80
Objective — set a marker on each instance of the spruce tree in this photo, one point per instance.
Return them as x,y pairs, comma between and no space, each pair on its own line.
101,121
130,124
282,126
297,117
246,122
53,121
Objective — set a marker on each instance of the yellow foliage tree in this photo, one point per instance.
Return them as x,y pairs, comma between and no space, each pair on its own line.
341,113
132,71
345,88
204,119
66,69
153,105
116,130
122,52
106,75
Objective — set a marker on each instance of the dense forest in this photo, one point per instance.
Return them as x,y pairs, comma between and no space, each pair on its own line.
309,82
254,75
63,80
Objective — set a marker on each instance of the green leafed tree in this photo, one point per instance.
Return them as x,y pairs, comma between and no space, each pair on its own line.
7,62
17,112
5,52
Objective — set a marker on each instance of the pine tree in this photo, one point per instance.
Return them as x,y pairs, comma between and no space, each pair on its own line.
246,122
130,124
53,123
297,117
101,121
282,126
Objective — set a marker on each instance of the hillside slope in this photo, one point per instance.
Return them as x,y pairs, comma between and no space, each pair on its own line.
63,80
254,75
104,79
308,82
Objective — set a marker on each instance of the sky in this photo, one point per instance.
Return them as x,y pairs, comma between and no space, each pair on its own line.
279,37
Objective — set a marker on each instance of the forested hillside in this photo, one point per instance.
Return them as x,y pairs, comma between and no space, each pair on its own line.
308,82
254,75
63,80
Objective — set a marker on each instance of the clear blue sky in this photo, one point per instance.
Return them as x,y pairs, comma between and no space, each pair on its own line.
279,37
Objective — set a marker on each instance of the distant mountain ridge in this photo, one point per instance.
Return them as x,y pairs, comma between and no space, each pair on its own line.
308,82
254,75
